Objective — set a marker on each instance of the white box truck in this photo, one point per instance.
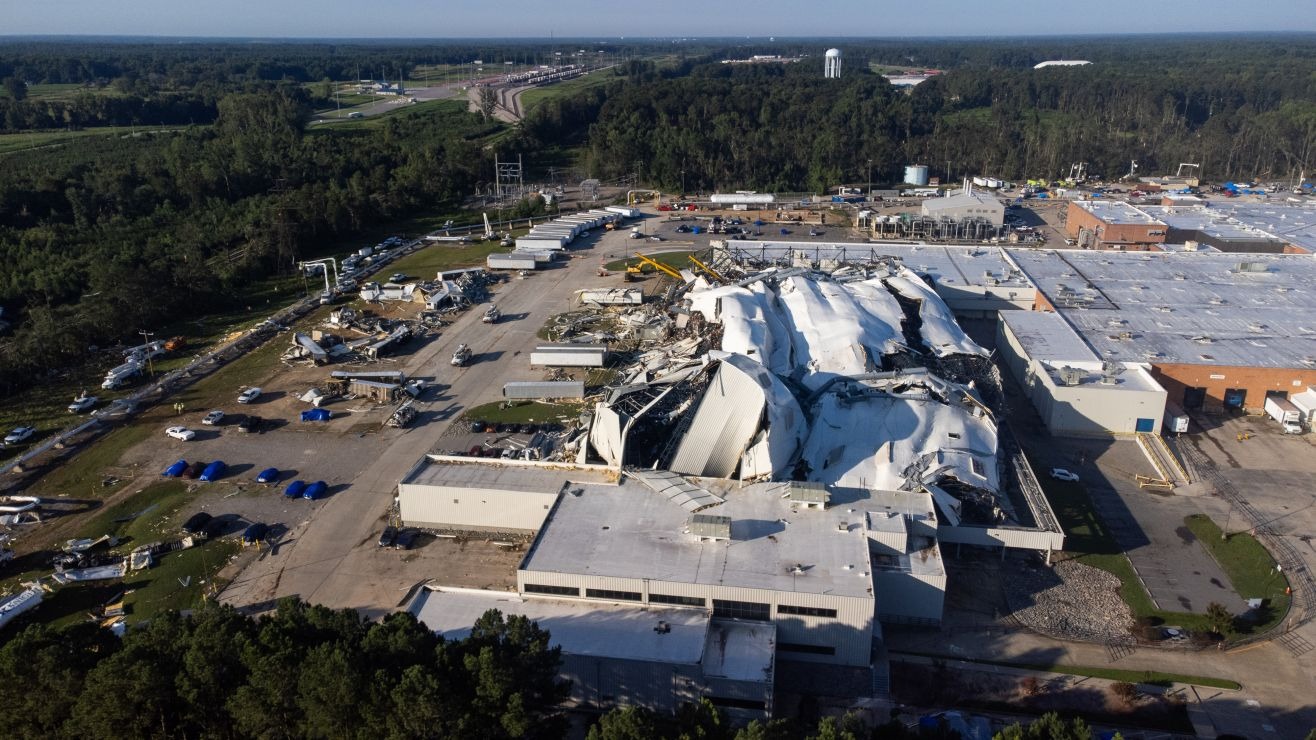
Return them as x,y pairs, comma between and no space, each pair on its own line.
1283,411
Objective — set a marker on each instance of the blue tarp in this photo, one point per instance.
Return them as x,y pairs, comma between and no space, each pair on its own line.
315,490
175,470
268,475
294,489
214,471
316,415
255,533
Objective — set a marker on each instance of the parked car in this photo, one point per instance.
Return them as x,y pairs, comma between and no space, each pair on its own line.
251,424
19,435
1062,474
405,539
82,403
268,475
249,395
197,523
315,491
388,536
180,433
213,418
397,277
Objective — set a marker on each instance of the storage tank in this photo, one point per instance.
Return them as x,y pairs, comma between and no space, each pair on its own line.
916,174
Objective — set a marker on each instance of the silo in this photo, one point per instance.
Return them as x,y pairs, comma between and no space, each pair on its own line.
916,174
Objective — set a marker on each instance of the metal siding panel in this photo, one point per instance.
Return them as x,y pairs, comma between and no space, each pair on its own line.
723,425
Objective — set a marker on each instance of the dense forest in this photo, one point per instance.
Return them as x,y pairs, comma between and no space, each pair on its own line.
117,234
312,672
783,128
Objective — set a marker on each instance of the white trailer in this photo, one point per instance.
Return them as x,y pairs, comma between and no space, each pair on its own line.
540,243
1282,410
624,211
512,261
1305,402
1175,420
569,355
748,198
533,389
537,255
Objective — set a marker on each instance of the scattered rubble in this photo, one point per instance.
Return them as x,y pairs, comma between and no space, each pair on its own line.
1069,601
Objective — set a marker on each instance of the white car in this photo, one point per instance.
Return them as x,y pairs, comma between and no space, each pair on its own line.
18,435
1291,428
213,418
249,395
82,403
1062,474
180,433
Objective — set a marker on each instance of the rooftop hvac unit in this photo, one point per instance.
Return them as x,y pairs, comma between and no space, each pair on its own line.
1071,375
1251,267
810,495
1110,372
710,527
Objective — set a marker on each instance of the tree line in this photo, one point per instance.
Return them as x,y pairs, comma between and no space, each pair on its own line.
1233,110
308,671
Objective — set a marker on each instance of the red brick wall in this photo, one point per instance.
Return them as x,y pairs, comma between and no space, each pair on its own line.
1215,379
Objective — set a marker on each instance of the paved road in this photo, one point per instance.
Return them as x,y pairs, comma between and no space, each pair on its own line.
332,558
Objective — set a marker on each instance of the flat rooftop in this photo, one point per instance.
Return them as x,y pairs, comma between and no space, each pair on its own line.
984,266
628,531
1294,223
1131,377
1117,212
503,475
1047,337
1211,221
1186,307
578,627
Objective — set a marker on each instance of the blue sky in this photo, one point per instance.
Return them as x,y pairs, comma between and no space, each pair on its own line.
612,18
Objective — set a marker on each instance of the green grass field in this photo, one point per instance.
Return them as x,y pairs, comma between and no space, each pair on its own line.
522,413
530,99
18,142
1251,569
1152,678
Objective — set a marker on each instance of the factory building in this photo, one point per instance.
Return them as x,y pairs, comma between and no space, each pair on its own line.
1216,331
967,204
1110,224
1072,389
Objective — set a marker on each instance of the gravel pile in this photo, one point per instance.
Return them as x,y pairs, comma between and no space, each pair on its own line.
1070,601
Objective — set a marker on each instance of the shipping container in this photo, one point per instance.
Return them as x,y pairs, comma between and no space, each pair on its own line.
1175,420
540,243
752,198
510,262
625,211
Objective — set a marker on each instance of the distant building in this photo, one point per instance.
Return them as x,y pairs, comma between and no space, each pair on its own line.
1062,63
965,205
1110,224
832,64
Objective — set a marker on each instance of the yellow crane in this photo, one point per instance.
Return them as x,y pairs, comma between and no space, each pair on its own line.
659,266
710,271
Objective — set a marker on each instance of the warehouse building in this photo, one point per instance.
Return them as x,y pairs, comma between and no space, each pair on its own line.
1110,224
1217,331
658,658
965,205
1072,389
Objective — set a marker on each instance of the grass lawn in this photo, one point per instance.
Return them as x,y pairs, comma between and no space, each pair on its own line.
527,412
532,98
32,139
425,263
1251,570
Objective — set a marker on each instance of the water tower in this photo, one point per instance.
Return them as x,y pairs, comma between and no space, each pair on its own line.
832,64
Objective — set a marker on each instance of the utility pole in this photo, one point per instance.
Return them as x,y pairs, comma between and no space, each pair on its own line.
146,339
870,180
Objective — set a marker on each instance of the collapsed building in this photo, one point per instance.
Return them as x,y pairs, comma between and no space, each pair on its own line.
795,455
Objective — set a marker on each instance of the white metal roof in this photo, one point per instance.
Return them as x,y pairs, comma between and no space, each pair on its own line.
437,470
1186,307
578,627
1117,212
1047,337
631,532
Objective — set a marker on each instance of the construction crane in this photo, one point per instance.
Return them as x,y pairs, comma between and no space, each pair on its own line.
1179,172
707,270
488,229
655,264
325,265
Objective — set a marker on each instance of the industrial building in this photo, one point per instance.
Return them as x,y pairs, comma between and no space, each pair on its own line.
1112,224
965,205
